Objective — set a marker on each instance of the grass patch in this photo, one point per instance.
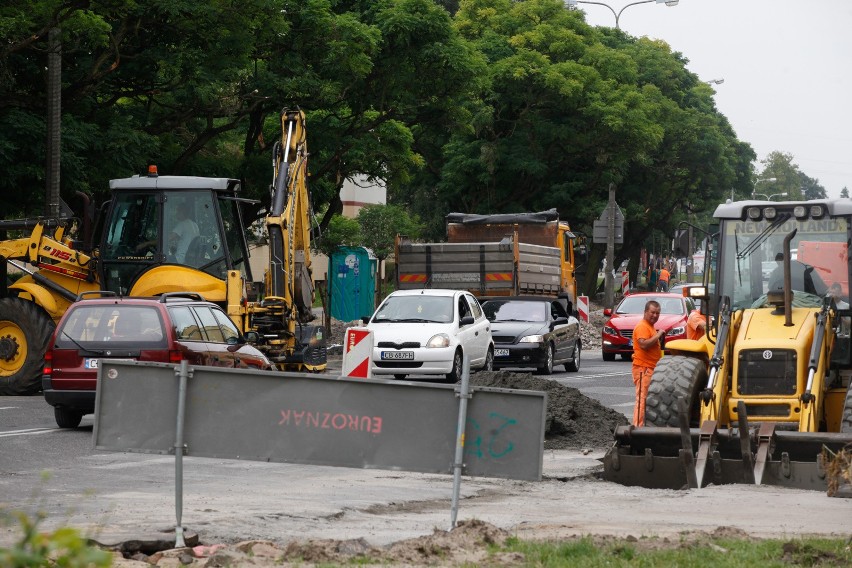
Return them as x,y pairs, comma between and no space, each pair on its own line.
698,552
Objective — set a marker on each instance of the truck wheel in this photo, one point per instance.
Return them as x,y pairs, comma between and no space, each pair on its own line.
67,418
547,368
674,377
846,417
25,329
574,364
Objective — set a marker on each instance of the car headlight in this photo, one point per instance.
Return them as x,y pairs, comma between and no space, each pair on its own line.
675,331
532,339
439,340
609,331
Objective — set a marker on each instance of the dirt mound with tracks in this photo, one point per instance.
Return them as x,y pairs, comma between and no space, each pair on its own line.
574,421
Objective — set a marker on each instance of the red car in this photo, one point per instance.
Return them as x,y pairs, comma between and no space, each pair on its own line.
617,332
166,329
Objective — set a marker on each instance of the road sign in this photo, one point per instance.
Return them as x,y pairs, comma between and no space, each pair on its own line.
601,230
357,350
583,307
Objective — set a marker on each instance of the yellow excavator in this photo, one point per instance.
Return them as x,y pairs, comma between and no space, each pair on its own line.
765,396
169,234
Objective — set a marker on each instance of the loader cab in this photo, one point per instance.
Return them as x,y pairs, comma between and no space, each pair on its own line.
751,242
161,221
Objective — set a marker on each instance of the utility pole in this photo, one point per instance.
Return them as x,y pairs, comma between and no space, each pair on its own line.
54,119
609,229
610,248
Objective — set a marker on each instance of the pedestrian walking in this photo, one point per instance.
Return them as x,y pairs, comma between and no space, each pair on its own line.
646,352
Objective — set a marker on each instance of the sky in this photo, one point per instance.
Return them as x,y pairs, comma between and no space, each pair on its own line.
786,65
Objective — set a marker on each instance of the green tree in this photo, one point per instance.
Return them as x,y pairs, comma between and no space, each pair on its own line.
380,224
341,232
567,109
844,192
789,179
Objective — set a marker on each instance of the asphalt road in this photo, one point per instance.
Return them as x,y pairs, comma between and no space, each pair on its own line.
114,497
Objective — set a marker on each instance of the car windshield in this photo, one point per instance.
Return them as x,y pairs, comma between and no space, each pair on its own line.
508,310
415,309
110,325
636,305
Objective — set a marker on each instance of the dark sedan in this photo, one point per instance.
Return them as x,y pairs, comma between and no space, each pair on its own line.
533,332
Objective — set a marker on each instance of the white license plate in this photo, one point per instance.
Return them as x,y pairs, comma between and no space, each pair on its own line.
90,363
501,352
405,355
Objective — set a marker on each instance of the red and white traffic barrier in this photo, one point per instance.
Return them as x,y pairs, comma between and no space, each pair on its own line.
583,307
625,283
357,350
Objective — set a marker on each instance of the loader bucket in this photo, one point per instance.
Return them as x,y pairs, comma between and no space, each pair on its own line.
685,458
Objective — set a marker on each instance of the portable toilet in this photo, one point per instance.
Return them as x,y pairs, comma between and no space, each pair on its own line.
352,283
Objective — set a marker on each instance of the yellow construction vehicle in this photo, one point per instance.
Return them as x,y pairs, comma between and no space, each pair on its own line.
763,395
170,234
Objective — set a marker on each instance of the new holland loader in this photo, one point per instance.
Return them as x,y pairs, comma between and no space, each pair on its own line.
764,397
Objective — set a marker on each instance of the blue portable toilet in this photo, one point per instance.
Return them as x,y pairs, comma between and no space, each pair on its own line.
352,283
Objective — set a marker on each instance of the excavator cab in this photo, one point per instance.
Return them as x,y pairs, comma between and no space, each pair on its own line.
191,228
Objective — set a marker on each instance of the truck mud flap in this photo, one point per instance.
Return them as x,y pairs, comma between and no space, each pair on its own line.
676,458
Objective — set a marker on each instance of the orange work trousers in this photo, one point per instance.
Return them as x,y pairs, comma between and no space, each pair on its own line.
641,379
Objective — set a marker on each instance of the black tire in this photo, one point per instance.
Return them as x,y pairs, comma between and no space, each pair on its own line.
67,418
846,417
547,369
489,361
626,357
456,372
674,377
608,356
574,364
25,329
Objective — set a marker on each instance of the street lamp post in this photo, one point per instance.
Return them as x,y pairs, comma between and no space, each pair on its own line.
573,4
754,195
777,195
715,81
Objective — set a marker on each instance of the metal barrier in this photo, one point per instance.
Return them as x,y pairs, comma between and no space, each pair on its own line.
311,419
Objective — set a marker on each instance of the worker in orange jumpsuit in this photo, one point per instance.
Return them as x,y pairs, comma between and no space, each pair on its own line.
664,279
696,324
646,353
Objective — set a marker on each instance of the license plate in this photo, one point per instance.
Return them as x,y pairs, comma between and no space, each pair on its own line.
501,352
398,355
90,363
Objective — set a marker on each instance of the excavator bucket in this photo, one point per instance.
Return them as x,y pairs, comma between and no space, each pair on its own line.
689,458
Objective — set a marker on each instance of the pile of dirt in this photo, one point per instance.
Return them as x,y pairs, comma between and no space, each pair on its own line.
574,421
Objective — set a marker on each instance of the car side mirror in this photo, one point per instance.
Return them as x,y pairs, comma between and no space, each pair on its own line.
560,320
251,337
607,312
365,319
466,320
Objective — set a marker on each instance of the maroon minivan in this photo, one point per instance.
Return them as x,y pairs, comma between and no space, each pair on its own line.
165,329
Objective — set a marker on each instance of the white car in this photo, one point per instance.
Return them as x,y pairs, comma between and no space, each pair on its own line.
427,332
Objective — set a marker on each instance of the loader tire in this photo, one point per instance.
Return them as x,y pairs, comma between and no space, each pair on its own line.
846,417
25,329
674,377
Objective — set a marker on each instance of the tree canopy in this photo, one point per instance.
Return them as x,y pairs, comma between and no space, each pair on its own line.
480,106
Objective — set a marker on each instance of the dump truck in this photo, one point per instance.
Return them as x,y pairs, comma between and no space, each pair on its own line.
764,397
146,250
495,255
